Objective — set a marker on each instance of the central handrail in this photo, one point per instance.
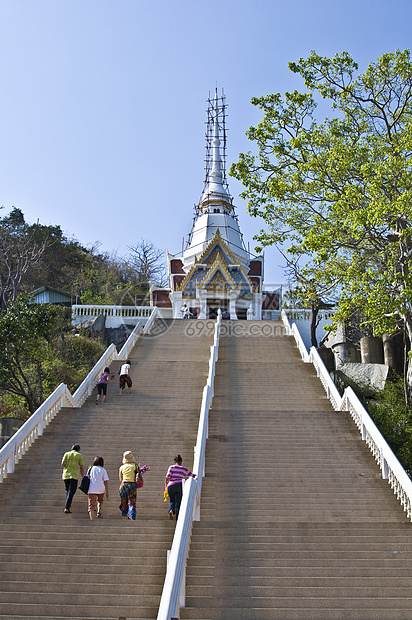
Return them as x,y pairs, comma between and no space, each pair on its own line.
174,588
390,466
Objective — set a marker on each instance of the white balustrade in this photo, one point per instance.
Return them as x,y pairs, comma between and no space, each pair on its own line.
121,311
115,316
21,441
390,466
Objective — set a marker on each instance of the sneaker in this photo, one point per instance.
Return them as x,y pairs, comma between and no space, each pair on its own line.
67,512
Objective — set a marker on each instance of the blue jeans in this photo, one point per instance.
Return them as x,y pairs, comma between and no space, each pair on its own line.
175,492
71,487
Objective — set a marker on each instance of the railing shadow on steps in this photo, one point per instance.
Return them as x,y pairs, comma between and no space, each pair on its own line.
390,467
174,588
21,441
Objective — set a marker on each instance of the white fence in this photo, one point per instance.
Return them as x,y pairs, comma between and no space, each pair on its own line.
174,589
21,441
115,315
391,468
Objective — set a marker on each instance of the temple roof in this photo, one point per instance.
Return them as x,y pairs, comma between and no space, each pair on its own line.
217,270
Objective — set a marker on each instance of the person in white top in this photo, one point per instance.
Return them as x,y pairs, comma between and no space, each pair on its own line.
186,314
124,378
99,486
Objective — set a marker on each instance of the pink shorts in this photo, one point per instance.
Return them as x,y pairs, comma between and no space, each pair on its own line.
93,498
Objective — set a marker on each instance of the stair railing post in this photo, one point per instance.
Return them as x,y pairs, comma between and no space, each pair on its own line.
182,592
384,466
12,460
196,509
40,426
203,465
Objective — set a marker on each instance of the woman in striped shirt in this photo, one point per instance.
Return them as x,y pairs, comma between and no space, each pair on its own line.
175,474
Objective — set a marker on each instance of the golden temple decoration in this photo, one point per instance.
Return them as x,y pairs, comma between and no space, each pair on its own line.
215,274
218,266
217,240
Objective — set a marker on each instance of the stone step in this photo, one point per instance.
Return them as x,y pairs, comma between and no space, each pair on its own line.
249,594
60,577
44,560
16,591
296,613
87,610
295,600
342,580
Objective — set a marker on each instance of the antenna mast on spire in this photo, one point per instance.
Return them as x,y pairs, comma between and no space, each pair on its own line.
216,129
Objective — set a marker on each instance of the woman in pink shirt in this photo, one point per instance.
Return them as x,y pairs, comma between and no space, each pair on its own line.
175,474
102,384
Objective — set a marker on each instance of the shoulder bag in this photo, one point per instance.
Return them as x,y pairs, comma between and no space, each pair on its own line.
85,483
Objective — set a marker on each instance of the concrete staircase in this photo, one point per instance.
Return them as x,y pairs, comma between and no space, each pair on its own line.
296,522
61,566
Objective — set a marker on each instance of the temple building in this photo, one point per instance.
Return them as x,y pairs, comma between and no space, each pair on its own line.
214,270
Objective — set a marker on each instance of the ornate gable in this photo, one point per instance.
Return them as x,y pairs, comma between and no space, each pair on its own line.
217,245
217,271
218,277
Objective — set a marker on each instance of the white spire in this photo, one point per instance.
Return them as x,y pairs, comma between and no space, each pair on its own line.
215,211
215,190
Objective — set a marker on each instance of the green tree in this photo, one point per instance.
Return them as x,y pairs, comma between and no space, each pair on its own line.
20,251
339,190
26,332
62,262
33,255
37,351
311,287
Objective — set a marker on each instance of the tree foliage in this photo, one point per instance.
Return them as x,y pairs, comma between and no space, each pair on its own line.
34,255
19,251
339,190
37,352
37,349
311,287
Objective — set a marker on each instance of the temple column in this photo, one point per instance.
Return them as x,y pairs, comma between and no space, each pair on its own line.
177,302
233,295
201,297
257,306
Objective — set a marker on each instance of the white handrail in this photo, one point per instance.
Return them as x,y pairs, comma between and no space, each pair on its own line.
149,323
86,387
130,342
390,466
21,441
174,588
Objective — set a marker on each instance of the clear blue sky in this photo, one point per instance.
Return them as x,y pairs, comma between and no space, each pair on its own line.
103,102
